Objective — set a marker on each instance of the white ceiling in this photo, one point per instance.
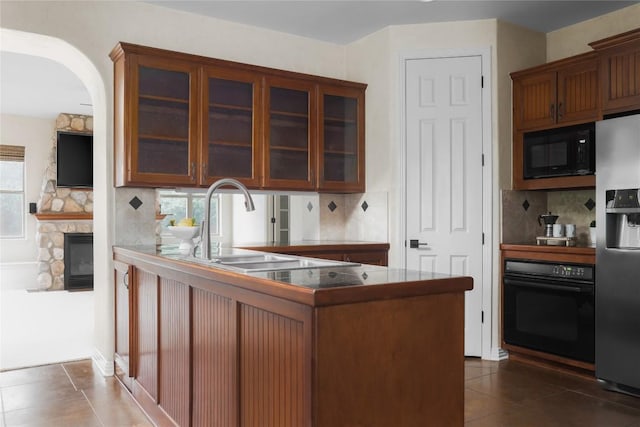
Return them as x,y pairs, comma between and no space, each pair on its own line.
343,22
38,87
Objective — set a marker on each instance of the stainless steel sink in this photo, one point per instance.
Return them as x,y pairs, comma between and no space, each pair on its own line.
250,263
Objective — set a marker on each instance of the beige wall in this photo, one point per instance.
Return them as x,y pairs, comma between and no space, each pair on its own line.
575,39
36,135
518,48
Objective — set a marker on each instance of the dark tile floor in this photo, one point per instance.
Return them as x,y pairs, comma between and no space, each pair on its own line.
506,393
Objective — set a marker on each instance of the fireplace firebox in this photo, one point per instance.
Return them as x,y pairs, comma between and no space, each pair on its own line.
78,261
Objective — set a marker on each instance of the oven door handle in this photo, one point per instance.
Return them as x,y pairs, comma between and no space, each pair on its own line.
563,288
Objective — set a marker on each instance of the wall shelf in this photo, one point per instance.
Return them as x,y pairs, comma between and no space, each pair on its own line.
64,216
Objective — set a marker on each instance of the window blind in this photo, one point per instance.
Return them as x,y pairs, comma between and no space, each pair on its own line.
12,153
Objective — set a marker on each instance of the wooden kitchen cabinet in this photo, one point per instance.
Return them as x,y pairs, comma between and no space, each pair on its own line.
123,276
559,93
185,120
290,114
156,134
220,348
341,146
231,127
620,71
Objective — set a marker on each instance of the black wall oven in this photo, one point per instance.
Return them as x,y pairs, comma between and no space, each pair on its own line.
550,308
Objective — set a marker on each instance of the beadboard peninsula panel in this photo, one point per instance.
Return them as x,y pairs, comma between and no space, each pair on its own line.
174,350
147,368
272,375
214,360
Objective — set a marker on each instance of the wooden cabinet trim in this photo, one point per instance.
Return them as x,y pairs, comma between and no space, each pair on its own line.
131,48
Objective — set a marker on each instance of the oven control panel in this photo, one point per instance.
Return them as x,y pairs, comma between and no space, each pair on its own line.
568,271
540,269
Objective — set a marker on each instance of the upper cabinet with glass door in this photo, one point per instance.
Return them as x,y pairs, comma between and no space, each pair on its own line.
186,121
341,145
231,126
156,129
289,138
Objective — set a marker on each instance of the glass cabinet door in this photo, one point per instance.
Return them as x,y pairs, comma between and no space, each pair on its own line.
341,158
165,126
289,154
231,127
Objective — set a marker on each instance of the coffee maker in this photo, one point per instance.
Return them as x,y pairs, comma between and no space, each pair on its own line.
548,220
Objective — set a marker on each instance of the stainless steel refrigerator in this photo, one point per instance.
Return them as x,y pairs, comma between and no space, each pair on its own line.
617,307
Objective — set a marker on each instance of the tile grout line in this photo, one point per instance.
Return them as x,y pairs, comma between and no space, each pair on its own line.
92,408
69,376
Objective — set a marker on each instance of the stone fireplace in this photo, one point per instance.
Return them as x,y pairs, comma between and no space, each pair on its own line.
60,211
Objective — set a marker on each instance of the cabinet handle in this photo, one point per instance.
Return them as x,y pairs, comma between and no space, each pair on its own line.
552,111
193,171
125,280
560,110
204,173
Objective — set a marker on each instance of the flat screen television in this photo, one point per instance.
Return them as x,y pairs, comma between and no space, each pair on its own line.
74,157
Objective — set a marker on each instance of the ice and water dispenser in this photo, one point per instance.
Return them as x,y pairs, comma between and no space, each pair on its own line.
623,219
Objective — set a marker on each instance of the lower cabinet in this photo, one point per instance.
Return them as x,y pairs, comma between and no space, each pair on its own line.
122,277
202,352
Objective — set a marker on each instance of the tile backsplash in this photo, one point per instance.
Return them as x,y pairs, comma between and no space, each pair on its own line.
520,211
573,207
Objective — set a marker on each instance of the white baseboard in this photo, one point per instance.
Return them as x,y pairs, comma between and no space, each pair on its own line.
498,353
105,366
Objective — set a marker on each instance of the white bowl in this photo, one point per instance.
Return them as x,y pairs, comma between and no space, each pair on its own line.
186,235
183,232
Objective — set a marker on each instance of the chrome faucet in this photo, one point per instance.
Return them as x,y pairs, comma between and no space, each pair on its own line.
205,237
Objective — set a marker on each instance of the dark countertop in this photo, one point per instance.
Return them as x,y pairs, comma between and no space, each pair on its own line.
577,254
314,245
314,286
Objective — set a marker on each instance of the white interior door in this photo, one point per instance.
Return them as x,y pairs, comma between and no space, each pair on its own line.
444,175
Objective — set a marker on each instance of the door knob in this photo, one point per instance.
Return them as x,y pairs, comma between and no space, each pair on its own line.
415,244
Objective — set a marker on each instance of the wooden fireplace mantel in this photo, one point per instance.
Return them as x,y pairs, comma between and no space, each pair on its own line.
63,216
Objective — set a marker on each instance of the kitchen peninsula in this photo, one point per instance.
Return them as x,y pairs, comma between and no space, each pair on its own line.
333,346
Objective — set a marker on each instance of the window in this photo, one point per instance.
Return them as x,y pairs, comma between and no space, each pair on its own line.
11,192
179,205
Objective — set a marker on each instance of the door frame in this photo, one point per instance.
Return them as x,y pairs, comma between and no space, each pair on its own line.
489,294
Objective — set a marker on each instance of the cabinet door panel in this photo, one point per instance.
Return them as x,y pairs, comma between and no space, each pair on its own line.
232,126
341,153
621,81
163,139
289,110
534,101
123,357
578,93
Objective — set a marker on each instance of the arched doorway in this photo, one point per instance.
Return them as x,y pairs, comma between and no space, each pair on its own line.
66,54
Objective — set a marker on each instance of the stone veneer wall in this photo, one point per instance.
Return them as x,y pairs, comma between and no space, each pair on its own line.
53,200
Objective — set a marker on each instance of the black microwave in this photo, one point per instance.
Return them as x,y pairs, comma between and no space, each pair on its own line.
566,151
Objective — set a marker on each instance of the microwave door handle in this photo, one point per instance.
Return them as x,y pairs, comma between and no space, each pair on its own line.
530,284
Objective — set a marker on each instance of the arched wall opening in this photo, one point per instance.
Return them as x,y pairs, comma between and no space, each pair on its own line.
63,52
